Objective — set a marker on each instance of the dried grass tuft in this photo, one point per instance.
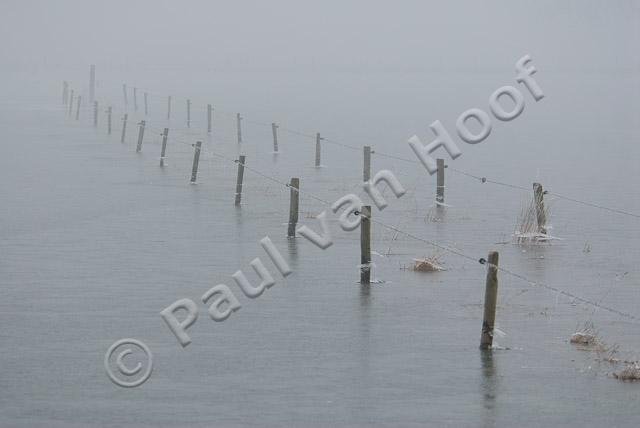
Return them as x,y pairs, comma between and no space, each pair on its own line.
629,373
428,264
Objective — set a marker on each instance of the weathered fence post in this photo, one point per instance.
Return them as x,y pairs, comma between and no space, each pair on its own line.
135,99
209,114
318,139
71,104
366,171
124,92
188,113
365,245
95,114
294,200
124,127
239,125
140,136
440,182
78,107
196,160
490,299
241,162
274,131
109,113
169,107
165,134
541,216
146,105
92,83
65,92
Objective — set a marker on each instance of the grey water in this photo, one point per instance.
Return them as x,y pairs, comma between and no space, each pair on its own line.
96,239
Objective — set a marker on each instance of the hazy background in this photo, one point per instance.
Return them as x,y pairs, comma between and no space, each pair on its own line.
95,240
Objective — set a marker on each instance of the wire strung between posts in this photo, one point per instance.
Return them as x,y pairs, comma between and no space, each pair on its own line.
448,249
452,251
481,179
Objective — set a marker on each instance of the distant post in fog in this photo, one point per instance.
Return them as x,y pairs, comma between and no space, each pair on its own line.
188,113
92,83
109,113
78,107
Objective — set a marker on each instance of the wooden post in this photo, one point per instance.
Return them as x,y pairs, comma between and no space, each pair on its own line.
196,159
165,134
440,182
65,92
140,136
239,125
188,113
78,107
124,127
365,245
294,199
241,162
124,92
109,113
490,299
209,117
71,103
538,197
274,131
95,114
169,107
146,105
135,99
366,172
318,138
92,83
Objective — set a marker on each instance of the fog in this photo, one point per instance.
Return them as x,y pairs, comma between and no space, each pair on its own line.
371,36
111,215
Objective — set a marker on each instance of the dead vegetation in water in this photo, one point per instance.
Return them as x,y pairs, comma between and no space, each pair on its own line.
587,338
629,373
527,231
428,264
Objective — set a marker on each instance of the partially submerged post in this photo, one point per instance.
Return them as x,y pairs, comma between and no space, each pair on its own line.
95,114
146,105
78,107
293,206
71,103
274,131
165,134
440,182
240,178
365,245
124,92
490,299
188,113
135,99
209,114
140,136
196,160
239,126
65,92
92,83
366,170
541,217
318,139
109,113
124,127
169,107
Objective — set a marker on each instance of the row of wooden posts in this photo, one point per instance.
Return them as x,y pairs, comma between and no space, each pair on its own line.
491,283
